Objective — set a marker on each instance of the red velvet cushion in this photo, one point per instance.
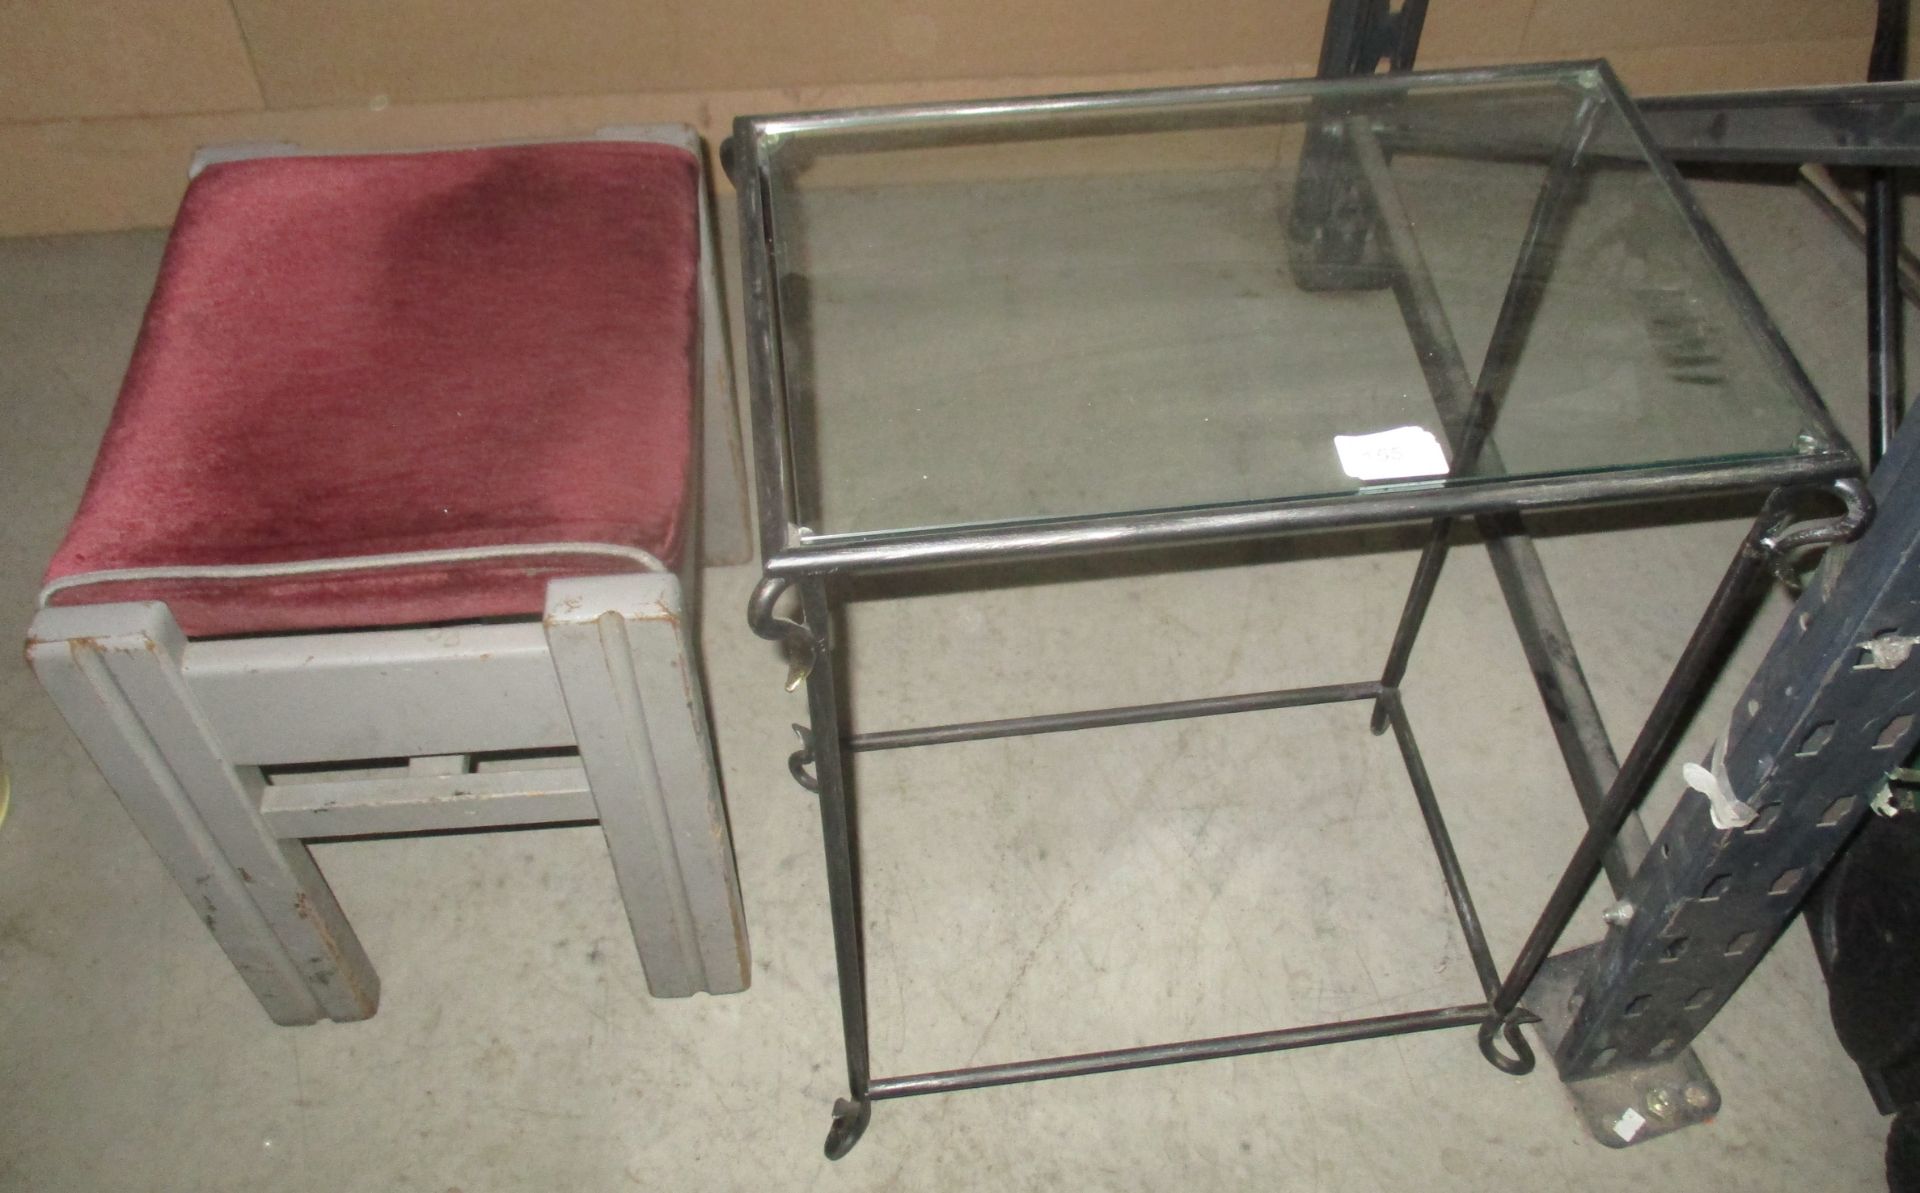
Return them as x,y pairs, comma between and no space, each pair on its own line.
366,355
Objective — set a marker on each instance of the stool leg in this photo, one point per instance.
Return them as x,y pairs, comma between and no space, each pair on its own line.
115,672
625,662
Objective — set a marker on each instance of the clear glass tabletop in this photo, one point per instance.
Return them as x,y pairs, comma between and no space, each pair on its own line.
1003,314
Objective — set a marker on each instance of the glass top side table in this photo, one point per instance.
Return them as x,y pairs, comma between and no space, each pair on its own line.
1264,298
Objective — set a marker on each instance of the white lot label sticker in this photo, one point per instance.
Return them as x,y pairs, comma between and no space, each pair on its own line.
1629,1124
1391,455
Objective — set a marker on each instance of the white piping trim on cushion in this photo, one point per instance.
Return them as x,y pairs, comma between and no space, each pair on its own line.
347,563
677,136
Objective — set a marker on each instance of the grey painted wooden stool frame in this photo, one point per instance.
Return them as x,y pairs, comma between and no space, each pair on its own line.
188,731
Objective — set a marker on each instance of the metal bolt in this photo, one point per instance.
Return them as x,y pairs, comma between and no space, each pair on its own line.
1806,445
1618,915
1699,1095
1660,1103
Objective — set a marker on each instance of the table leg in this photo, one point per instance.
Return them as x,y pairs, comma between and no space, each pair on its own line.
1426,577
826,742
1886,312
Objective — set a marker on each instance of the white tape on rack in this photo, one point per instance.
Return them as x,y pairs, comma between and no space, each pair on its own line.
1723,805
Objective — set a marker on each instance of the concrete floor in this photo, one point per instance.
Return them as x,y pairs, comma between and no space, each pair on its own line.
1035,895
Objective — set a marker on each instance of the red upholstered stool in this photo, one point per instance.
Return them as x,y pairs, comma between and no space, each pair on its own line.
404,474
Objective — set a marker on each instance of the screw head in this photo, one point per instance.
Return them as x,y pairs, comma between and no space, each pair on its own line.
1618,915
1660,1103
1699,1095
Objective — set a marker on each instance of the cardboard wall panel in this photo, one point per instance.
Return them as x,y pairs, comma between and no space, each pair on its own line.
98,175
70,176
1477,31
324,53
745,43
329,52
65,59
102,101
1587,27
1669,70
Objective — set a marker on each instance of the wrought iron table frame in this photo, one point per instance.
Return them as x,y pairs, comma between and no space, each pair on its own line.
795,557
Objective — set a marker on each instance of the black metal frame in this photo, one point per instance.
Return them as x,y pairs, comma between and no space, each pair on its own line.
1239,1045
824,748
1856,124
1364,35
1816,731
1886,380
795,557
